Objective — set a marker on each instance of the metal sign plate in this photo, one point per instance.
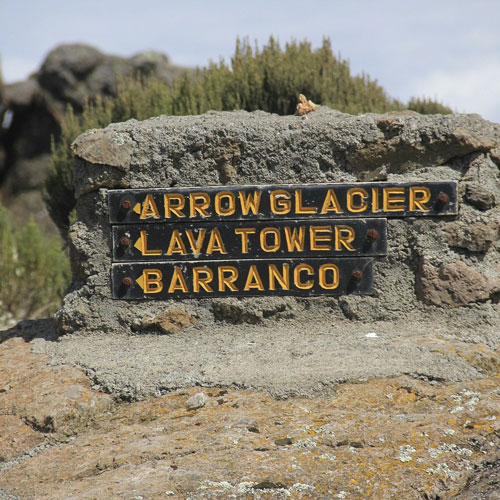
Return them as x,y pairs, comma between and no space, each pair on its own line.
375,199
250,240
242,278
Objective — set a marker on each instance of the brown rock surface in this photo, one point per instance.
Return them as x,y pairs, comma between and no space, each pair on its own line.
383,439
454,284
479,197
172,320
473,237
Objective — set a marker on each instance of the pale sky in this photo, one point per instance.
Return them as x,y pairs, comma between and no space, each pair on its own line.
449,49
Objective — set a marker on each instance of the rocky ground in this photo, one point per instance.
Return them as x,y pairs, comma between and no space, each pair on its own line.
384,438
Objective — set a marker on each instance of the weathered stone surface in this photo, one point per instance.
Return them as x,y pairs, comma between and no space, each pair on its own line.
258,148
483,483
172,320
43,398
383,439
473,237
252,311
454,284
481,198
197,401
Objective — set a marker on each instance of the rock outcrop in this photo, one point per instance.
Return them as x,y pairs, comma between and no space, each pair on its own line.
380,439
433,264
31,110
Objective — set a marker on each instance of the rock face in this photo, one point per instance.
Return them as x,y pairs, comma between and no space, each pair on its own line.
32,109
380,439
432,264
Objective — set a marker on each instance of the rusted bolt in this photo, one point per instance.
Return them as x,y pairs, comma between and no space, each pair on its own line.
372,234
357,275
127,281
442,199
124,242
126,204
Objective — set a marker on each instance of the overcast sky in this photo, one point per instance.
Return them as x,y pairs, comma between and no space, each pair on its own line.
449,50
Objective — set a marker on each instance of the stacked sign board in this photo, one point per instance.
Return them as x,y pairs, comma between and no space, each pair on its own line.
317,239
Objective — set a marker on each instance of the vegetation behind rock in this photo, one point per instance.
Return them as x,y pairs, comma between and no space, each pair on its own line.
34,272
267,79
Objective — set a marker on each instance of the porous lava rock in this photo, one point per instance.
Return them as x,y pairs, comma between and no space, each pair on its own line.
433,264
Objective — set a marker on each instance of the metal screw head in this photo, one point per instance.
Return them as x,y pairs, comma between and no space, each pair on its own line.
357,275
127,281
126,204
124,242
372,234
442,199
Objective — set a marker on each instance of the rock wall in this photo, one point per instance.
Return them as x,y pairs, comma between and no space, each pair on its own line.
436,268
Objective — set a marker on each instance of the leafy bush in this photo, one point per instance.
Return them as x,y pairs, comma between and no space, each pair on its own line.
268,79
34,272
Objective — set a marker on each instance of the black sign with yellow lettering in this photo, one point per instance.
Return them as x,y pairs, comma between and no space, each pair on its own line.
259,240
375,199
179,280
250,240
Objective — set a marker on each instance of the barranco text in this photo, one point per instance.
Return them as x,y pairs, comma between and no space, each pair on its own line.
245,278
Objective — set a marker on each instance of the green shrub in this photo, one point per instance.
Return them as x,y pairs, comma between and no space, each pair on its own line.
34,271
428,106
268,79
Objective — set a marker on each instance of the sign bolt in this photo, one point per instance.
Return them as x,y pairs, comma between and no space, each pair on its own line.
372,234
127,281
442,200
357,275
126,204
124,242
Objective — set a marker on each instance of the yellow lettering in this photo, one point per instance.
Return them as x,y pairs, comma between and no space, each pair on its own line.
299,208
199,202
142,245
362,206
280,201
344,236
196,245
244,232
215,243
231,204
276,237
176,244
303,285
227,280
149,208
334,283
177,282
375,200
283,278
248,204
174,203
295,238
253,279
203,282
331,203
317,238
419,195
392,196
151,281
